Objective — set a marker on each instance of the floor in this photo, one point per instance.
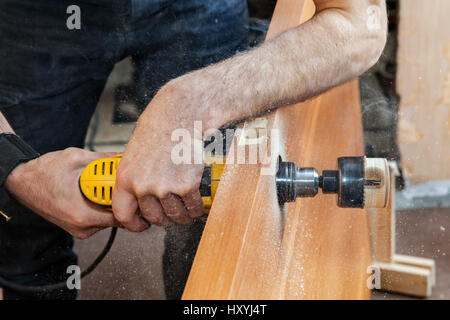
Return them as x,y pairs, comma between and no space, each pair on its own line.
425,233
132,270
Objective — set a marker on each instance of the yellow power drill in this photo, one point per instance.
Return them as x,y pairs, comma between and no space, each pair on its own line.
98,179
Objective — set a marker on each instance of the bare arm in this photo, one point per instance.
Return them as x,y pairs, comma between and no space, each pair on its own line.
343,40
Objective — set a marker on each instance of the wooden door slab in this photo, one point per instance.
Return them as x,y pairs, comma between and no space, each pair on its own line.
253,249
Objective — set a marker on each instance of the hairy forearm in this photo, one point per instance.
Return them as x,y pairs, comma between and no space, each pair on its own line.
4,125
336,46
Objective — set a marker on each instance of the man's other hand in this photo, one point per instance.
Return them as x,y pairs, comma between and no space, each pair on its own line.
49,186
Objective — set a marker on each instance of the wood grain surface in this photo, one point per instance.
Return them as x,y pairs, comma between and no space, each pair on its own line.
253,249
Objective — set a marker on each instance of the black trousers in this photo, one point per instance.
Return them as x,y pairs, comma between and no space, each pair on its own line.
51,79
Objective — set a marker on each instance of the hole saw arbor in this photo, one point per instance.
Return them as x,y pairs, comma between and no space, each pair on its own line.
311,249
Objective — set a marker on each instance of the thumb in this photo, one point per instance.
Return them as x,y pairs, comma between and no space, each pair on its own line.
89,156
100,155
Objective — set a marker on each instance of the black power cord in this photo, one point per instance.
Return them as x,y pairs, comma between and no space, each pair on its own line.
61,285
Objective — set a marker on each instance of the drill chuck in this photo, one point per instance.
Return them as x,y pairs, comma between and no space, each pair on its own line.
293,182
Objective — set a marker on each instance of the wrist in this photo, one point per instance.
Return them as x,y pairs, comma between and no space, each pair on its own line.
202,98
15,152
16,178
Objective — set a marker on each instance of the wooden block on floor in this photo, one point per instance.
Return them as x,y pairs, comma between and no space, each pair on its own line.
429,264
405,279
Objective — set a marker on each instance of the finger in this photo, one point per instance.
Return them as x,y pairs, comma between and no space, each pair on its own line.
100,155
90,156
124,206
109,154
102,218
84,234
97,216
90,232
194,204
152,211
85,157
175,209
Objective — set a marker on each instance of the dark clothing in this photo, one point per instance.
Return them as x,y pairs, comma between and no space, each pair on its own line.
51,79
